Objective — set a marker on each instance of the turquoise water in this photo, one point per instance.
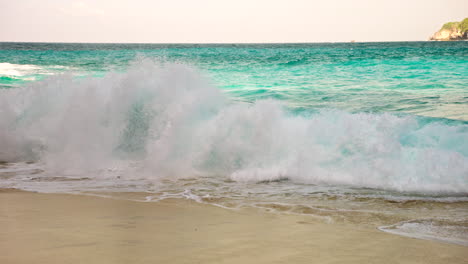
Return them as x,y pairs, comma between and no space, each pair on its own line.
422,78
367,133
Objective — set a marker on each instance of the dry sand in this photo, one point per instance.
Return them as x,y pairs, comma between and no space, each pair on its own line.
59,228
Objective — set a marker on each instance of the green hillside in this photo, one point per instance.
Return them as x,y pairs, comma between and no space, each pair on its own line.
452,31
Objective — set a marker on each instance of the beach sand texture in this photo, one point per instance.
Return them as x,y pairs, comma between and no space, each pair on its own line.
63,228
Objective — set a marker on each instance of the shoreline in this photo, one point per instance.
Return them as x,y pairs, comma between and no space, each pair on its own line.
71,228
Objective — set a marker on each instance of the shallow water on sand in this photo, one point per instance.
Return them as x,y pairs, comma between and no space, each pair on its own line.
441,218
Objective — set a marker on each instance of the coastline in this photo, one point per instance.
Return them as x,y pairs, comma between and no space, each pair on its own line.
67,228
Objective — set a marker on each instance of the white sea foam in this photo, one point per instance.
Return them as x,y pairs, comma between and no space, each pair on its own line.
431,229
9,69
158,121
29,72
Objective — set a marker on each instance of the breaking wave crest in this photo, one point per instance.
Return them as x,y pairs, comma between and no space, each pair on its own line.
159,121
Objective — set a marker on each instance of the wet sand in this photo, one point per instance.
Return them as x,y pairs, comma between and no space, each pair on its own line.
60,228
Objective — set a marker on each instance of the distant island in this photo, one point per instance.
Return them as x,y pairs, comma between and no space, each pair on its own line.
452,31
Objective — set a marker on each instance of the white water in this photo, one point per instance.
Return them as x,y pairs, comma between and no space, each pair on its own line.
157,122
9,69
431,229
29,72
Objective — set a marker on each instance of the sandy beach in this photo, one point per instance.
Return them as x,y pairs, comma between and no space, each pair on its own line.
60,228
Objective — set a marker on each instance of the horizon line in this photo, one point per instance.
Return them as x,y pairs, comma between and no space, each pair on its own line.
216,43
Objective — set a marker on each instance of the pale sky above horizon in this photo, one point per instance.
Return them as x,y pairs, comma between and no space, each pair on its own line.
219,21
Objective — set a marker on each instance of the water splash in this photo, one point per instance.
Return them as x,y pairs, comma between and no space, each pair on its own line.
162,120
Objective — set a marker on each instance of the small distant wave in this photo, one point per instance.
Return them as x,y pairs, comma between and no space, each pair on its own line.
295,62
9,69
19,73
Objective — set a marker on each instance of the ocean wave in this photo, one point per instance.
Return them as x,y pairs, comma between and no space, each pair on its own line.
9,69
163,120
11,73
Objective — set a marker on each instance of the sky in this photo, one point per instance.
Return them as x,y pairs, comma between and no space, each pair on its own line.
223,21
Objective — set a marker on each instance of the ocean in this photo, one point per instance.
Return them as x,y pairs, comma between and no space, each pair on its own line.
371,134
